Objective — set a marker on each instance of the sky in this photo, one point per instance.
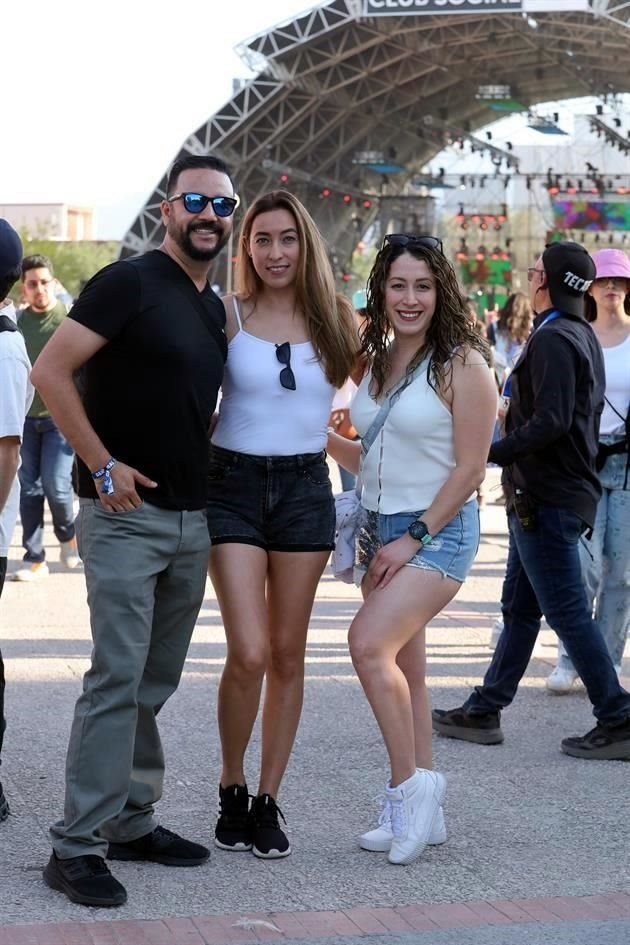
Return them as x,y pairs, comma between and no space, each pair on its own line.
103,95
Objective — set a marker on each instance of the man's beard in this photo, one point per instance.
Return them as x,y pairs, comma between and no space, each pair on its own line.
183,239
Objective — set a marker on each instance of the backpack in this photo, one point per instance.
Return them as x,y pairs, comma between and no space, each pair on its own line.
7,324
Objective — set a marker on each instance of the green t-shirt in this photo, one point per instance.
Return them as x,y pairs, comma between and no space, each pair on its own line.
37,330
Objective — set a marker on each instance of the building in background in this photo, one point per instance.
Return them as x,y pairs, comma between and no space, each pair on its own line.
50,221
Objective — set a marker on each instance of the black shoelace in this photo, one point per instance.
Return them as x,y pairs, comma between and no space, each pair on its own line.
266,814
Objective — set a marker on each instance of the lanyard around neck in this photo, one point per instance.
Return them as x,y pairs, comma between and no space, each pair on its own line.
506,387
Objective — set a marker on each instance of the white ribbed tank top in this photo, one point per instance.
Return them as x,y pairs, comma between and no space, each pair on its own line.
414,453
257,415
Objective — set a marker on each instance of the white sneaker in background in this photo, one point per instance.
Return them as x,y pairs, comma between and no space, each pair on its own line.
380,839
69,554
561,680
415,806
31,572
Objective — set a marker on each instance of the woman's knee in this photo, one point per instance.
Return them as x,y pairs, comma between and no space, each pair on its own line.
287,663
247,663
365,651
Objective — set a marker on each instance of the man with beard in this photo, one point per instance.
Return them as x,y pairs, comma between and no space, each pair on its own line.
148,336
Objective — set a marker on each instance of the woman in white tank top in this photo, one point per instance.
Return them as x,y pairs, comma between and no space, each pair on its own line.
605,557
421,524
291,342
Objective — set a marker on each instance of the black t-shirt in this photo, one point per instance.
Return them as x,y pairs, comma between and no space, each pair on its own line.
151,390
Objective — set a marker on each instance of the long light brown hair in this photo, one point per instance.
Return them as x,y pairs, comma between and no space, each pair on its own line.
516,317
329,315
449,330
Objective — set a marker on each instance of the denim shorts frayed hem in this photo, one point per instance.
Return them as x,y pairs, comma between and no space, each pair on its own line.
451,553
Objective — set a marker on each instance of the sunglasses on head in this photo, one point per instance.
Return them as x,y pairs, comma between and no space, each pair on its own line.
410,239
196,203
283,354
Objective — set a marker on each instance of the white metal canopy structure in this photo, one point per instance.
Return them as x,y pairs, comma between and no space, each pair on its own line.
335,88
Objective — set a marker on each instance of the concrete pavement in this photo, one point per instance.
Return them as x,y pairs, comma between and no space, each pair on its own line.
526,824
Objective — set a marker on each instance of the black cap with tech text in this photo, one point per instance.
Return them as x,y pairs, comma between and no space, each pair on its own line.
570,271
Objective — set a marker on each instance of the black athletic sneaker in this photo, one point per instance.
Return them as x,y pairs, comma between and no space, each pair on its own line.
160,846
602,743
4,805
233,829
456,723
86,880
270,842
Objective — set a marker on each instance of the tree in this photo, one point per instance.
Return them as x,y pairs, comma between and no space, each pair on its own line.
74,262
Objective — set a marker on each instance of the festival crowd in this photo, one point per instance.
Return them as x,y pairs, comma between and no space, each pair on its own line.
121,406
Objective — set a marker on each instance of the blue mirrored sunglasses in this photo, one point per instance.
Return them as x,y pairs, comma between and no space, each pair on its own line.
196,203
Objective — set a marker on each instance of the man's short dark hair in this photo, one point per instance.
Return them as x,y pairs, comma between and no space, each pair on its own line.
36,261
193,162
7,281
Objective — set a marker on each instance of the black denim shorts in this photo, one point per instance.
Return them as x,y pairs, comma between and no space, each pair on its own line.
279,503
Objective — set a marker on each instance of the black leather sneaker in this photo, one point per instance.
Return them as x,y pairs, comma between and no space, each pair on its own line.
86,880
160,846
270,842
4,805
232,831
602,743
456,723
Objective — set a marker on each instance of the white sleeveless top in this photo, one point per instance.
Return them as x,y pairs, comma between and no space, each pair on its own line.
257,415
414,453
617,365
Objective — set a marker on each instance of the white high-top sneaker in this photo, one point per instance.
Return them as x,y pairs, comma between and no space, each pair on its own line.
380,839
415,805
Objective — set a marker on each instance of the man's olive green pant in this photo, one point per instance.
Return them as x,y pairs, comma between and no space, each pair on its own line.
145,572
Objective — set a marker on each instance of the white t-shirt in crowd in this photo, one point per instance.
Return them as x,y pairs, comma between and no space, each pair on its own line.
16,396
617,364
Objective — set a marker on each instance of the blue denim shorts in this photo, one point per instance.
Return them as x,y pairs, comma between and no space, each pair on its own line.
452,551
279,503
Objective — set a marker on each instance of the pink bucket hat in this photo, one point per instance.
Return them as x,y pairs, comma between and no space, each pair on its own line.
611,263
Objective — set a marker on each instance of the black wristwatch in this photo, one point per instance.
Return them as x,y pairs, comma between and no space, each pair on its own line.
419,532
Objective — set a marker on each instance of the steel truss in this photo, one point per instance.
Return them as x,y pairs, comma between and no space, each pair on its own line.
331,83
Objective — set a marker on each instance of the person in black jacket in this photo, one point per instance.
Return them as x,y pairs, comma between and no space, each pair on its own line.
556,397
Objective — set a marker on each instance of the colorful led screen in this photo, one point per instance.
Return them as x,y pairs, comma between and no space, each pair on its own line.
591,215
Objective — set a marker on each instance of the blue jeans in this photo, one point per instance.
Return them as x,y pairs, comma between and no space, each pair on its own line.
605,560
3,724
544,576
46,471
